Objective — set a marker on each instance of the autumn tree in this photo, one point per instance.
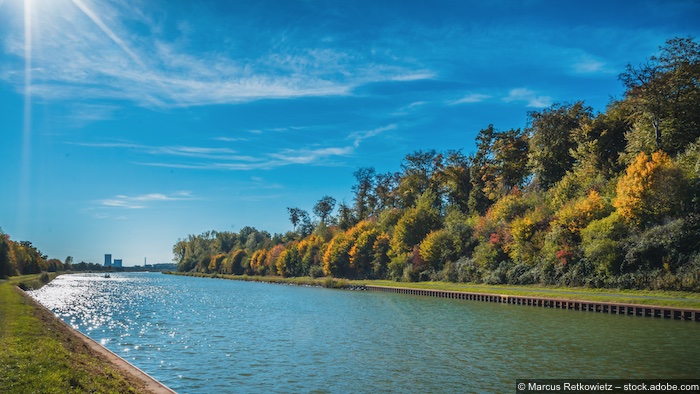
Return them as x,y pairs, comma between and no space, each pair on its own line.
336,259
414,225
288,262
257,261
7,266
362,251
272,256
437,248
650,189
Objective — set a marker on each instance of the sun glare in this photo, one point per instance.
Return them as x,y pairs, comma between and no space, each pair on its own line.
27,121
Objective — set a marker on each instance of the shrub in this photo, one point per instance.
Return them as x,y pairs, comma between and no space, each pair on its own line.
316,271
601,243
668,246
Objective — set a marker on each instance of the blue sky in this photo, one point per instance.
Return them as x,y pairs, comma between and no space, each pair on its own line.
127,124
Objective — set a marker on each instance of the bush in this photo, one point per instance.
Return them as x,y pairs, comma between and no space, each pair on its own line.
601,243
668,246
316,271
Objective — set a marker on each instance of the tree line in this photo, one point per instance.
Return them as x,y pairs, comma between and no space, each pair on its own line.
608,199
23,258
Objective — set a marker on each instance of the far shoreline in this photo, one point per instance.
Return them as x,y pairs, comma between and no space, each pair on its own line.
640,298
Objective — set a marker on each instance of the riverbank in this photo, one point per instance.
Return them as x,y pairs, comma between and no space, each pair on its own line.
40,353
674,299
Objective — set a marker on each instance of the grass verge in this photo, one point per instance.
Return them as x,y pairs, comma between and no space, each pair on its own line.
39,355
676,299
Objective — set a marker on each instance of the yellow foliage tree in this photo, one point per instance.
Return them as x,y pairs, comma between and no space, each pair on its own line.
362,253
577,214
650,189
257,260
437,248
272,256
215,262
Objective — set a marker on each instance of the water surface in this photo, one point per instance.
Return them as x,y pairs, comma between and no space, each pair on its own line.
199,335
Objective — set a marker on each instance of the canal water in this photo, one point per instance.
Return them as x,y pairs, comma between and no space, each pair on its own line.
199,335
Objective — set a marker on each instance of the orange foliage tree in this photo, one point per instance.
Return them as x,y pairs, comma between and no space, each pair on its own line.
650,189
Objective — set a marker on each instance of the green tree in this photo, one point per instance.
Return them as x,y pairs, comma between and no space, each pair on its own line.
601,141
418,168
68,264
365,200
385,190
346,217
437,248
324,207
552,141
294,216
499,165
454,179
665,94
414,225
7,266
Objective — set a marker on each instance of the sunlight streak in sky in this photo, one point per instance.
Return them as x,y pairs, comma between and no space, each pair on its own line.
120,43
27,121
87,11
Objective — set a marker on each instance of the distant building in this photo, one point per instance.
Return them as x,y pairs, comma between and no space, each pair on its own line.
108,260
117,263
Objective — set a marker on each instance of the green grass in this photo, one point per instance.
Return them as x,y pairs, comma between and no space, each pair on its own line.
38,355
298,281
676,299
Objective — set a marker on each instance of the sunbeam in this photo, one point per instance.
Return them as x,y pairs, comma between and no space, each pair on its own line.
121,44
27,121
87,11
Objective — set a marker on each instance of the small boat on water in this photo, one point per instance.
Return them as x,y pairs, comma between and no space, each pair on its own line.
107,276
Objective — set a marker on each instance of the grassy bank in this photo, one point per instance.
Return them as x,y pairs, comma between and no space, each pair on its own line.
642,297
39,355
298,281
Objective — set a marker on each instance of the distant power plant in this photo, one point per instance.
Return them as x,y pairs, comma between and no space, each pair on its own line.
109,263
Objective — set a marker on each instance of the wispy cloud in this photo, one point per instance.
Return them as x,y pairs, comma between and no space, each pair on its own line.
306,156
471,98
587,64
530,97
230,139
225,154
406,109
359,136
227,159
88,52
141,201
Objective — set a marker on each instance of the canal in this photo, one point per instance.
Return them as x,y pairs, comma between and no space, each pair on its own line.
200,335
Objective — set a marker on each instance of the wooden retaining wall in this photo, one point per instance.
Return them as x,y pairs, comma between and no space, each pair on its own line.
589,306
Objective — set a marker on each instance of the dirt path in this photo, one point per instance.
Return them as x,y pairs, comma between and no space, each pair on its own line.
68,335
